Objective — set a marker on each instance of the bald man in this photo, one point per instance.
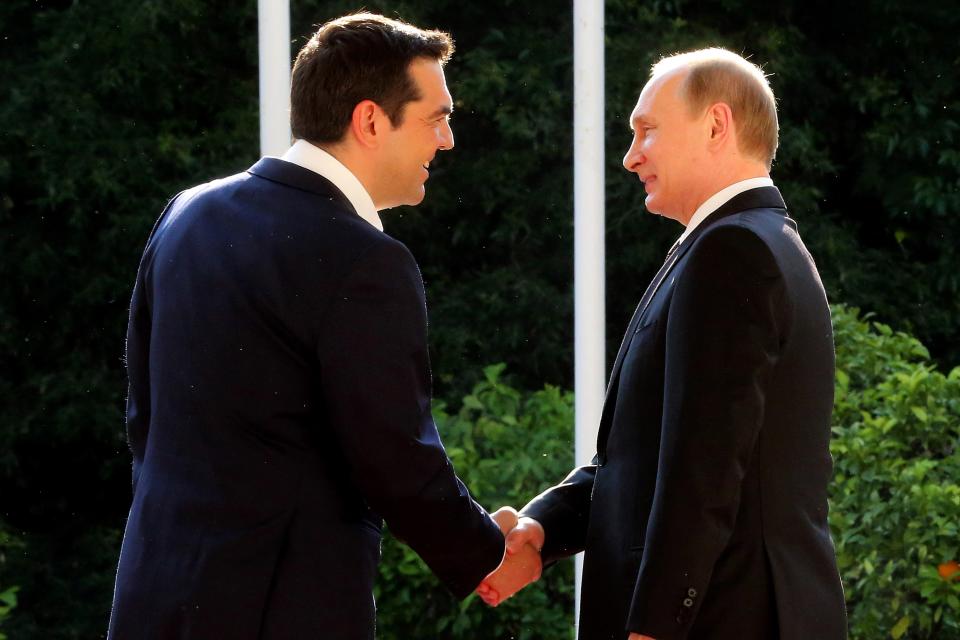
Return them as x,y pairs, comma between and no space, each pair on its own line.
704,513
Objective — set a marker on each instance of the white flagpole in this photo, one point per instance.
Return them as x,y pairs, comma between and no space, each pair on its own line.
588,204
274,29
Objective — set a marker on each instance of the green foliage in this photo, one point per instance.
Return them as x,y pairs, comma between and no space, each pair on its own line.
895,503
8,601
8,594
66,579
895,500
108,108
507,447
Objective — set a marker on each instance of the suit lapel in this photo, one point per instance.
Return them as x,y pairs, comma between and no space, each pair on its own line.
760,198
764,197
638,312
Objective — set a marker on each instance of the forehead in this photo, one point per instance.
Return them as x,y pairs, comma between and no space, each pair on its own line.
660,97
429,78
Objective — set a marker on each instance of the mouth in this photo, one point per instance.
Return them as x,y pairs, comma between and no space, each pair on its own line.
426,169
647,182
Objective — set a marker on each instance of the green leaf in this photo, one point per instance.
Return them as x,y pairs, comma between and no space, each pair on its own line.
9,597
900,628
843,379
471,402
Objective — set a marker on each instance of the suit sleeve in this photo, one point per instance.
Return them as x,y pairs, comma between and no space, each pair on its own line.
564,512
139,327
138,375
722,340
375,384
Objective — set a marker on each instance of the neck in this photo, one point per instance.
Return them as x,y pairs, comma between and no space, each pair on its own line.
741,168
725,175
736,170
357,165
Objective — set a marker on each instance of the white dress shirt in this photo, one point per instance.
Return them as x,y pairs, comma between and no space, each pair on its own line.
719,199
315,159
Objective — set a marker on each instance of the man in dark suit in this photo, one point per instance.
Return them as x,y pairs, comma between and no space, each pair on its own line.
704,513
279,401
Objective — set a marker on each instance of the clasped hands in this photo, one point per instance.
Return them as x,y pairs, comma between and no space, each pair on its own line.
521,562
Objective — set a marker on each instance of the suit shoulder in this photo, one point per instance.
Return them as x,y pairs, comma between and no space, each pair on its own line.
384,252
203,193
744,228
767,226
740,238
215,186
755,220
393,246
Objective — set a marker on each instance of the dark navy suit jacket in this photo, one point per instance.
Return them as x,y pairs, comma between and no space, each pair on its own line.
704,515
279,407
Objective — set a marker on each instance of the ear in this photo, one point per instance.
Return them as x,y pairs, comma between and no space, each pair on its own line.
720,123
366,123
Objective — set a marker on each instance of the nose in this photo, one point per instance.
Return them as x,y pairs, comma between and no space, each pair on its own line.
634,157
446,137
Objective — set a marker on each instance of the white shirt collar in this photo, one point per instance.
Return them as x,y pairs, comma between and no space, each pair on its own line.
719,199
315,159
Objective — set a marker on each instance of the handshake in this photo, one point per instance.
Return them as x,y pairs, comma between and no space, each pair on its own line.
521,562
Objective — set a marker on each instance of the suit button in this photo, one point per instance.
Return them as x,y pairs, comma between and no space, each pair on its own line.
679,619
692,592
687,602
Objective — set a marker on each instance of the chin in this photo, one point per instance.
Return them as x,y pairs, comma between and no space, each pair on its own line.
417,198
411,200
651,204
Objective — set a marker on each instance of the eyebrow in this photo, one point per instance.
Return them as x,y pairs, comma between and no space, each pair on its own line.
641,119
442,111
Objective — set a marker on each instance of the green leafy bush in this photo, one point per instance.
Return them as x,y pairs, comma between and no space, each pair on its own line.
507,447
895,500
8,600
895,504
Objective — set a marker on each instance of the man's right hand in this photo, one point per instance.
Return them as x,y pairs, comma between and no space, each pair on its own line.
521,563
527,531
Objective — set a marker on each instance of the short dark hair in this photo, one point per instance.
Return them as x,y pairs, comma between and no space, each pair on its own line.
363,56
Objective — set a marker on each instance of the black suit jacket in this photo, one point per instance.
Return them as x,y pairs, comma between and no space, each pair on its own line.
704,515
278,407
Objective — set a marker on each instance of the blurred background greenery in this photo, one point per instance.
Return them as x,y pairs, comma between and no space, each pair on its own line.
111,106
